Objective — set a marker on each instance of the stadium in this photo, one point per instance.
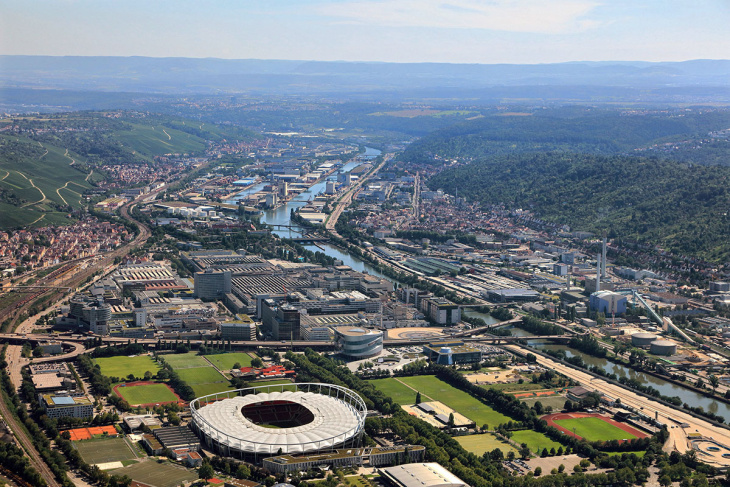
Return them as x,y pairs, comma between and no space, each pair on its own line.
279,419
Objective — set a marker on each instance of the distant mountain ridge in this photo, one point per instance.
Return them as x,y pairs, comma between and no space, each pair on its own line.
211,75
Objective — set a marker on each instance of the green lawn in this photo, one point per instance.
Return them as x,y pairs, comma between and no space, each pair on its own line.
158,474
185,360
456,399
146,394
122,366
557,402
639,454
397,391
225,361
514,387
204,380
535,441
104,450
594,429
478,444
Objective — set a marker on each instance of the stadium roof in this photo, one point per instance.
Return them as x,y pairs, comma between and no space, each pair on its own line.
334,422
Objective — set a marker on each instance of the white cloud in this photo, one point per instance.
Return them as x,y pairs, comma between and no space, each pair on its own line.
526,16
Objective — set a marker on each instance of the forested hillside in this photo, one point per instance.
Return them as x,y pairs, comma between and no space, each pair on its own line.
680,134
657,201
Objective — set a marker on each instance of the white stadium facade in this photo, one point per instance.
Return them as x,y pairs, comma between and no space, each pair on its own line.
258,422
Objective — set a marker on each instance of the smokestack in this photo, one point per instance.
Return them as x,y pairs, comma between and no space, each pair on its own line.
603,259
567,281
598,272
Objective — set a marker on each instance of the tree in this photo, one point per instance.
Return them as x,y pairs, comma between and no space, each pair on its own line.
418,398
538,471
510,455
451,420
524,451
205,471
147,375
38,352
256,362
237,365
714,382
665,480
131,377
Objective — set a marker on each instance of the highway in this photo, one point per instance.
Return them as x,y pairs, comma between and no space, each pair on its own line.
672,417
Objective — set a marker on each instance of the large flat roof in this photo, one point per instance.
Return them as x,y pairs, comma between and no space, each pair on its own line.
422,475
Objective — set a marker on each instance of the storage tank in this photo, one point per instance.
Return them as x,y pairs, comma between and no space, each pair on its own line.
663,347
642,339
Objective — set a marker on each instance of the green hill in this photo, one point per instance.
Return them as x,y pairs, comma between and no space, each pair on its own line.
680,207
47,162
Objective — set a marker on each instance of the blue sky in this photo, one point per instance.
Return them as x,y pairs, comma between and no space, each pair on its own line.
456,31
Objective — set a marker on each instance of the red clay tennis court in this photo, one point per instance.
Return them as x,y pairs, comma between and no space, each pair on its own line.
88,433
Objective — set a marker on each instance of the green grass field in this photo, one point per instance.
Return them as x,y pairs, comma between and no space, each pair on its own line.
104,450
478,444
146,394
225,361
639,454
557,402
185,360
204,380
457,400
123,366
158,474
535,441
395,390
594,429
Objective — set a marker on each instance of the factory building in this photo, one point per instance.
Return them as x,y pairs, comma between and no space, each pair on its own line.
212,284
608,302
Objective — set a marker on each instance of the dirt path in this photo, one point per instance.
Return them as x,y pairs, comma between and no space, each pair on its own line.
89,175
36,187
414,390
73,161
6,175
168,135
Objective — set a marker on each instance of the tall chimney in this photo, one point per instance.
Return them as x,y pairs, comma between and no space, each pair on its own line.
603,258
567,281
598,272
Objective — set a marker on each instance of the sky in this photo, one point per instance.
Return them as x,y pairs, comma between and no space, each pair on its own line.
450,31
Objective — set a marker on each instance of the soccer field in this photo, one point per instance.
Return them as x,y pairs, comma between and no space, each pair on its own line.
400,393
225,361
594,429
185,360
158,474
146,394
478,444
104,450
204,380
122,366
456,399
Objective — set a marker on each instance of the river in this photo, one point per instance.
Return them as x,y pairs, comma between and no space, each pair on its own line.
665,388
282,216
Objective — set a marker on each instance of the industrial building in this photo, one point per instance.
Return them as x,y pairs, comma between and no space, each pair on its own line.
663,347
642,339
512,295
357,342
608,302
420,475
212,284
452,353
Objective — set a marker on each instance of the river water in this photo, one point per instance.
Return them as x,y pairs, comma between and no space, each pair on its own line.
282,216
665,388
